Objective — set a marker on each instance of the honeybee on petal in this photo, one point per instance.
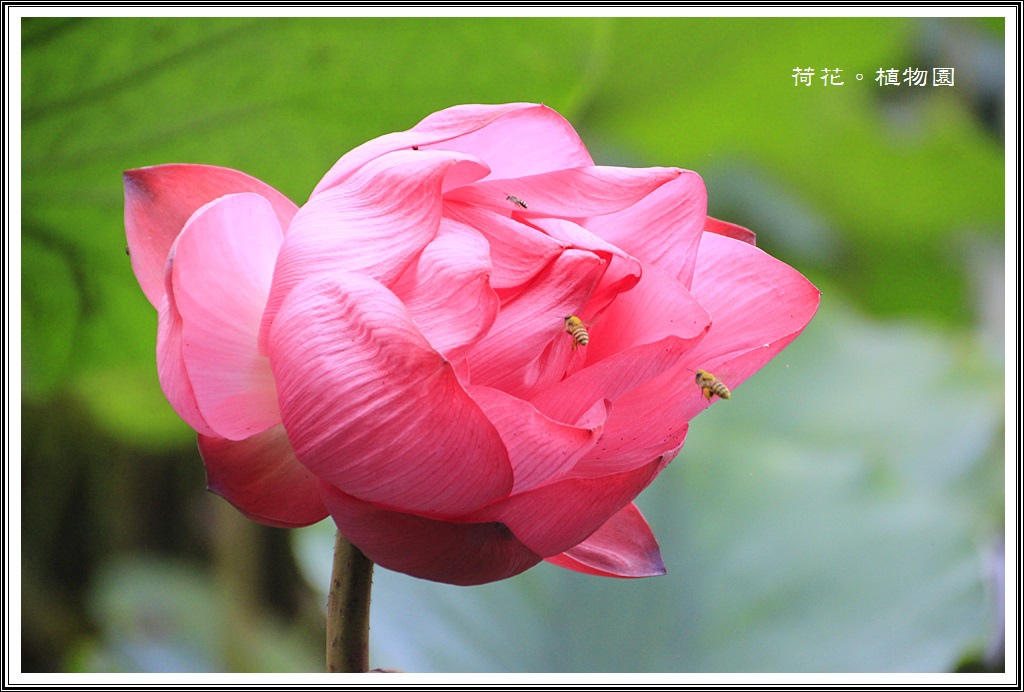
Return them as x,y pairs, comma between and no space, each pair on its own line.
574,325
516,201
711,385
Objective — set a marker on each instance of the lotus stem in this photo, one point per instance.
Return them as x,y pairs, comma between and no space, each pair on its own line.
348,610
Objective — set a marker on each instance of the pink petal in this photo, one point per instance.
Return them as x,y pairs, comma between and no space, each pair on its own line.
557,361
647,422
515,139
570,193
448,292
649,419
611,378
758,305
223,264
528,323
453,553
158,200
521,141
170,367
540,449
623,271
263,479
658,306
553,518
624,546
518,252
370,407
729,230
375,223
663,229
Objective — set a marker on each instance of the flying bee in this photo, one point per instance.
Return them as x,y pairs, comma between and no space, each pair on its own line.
710,385
574,325
516,201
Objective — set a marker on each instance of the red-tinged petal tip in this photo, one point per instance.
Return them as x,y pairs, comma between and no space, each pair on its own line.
729,230
158,200
263,479
623,547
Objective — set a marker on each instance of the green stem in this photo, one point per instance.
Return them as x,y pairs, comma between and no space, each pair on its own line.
348,610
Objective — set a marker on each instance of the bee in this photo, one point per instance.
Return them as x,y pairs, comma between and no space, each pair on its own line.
574,325
710,385
516,201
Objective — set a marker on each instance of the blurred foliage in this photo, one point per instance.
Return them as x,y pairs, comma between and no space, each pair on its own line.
847,520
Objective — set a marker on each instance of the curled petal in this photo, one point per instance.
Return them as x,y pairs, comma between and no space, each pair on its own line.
623,271
220,276
729,230
515,139
376,223
553,518
641,427
664,228
518,252
370,407
263,479
531,320
454,553
570,193
624,546
658,306
158,200
540,449
759,304
447,291
610,379
170,367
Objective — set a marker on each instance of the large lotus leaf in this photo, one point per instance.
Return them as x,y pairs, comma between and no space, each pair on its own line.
838,514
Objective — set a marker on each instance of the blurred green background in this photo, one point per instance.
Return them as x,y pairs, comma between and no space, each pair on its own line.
842,513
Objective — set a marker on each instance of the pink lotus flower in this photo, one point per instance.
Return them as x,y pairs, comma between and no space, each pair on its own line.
394,352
